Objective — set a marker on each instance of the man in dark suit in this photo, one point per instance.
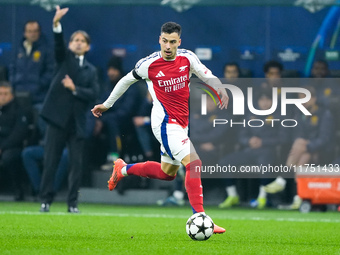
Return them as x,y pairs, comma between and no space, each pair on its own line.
74,88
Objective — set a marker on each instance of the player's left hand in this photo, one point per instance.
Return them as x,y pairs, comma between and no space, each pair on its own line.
98,109
224,98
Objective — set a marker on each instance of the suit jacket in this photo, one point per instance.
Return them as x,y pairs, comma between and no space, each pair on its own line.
61,104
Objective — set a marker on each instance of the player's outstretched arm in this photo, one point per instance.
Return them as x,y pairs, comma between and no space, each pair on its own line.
98,109
120,88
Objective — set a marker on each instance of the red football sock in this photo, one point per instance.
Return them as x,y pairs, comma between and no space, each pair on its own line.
149,169
193,186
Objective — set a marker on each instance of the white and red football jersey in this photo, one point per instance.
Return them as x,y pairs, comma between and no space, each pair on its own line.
168,83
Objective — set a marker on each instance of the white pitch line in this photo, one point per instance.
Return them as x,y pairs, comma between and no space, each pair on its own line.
141,215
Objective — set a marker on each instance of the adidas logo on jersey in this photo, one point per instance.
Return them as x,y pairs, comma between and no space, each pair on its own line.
160,74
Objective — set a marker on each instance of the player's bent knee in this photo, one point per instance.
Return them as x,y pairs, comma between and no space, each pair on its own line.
169,169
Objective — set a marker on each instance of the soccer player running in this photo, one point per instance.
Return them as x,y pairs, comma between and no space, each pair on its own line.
167,74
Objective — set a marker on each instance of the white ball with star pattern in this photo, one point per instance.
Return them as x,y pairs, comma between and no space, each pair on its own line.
200,227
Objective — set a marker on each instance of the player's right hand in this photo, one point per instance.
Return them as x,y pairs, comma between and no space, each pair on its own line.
98,110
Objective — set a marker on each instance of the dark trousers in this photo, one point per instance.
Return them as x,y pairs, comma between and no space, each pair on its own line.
56,139
10,162
33,156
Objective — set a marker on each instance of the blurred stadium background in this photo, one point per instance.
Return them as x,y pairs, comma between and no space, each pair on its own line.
247,31
250,32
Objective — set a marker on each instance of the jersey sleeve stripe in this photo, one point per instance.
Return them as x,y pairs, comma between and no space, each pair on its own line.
190,53
153,55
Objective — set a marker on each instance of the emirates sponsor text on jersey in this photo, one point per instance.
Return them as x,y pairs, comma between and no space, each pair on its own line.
173,81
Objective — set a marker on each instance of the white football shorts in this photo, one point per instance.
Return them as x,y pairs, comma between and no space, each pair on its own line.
175,143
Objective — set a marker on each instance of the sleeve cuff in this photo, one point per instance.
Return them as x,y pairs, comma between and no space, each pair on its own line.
107,105
57,29
135,75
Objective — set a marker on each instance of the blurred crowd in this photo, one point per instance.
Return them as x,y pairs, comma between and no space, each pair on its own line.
125,130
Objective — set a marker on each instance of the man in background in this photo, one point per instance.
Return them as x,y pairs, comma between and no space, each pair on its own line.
71,93
32,69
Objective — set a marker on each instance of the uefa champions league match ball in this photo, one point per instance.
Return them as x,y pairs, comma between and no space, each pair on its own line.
200,227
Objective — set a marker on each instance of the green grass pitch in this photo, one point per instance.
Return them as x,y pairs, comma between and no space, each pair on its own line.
109,229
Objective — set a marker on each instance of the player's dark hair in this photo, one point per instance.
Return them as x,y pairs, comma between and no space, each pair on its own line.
171,27
272,64
86,36
30,22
